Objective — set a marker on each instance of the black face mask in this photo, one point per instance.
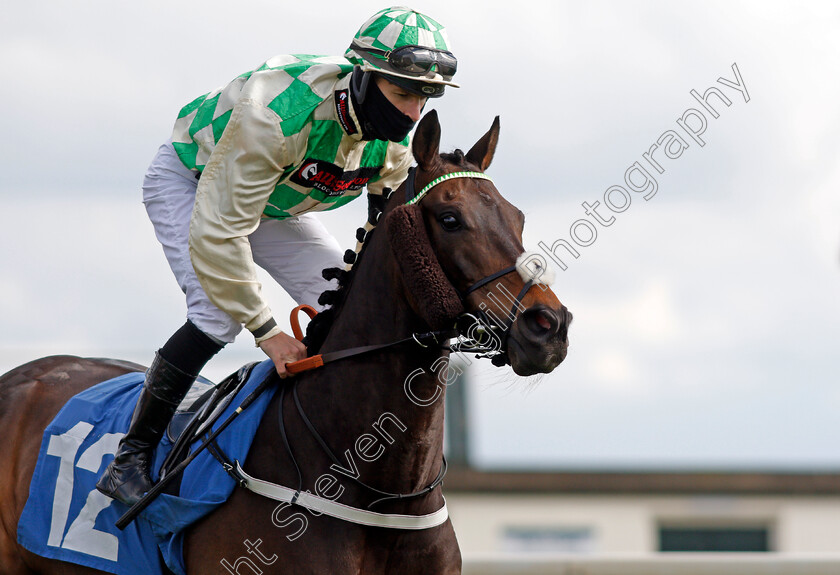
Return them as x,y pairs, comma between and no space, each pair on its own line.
380,119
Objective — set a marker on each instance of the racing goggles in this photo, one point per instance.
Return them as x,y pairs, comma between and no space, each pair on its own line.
416,60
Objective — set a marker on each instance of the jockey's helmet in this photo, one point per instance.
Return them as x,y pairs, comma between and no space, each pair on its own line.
409,48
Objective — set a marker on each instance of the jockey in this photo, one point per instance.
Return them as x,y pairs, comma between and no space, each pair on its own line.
235,185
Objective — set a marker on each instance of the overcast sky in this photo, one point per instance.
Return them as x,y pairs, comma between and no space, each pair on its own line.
707,316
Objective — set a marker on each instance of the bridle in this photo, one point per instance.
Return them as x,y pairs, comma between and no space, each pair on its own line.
475,333
478,333
479,330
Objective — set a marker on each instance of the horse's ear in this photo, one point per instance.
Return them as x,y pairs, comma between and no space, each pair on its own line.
429,290
426,142
482,152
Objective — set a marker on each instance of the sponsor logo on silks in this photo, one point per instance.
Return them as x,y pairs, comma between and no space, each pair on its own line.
331,179
342,97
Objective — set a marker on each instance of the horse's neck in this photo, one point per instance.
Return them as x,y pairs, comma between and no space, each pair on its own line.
375,312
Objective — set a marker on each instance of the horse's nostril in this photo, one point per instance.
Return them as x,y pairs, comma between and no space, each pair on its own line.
543,320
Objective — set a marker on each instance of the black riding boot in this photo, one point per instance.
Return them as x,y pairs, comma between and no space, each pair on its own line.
127,477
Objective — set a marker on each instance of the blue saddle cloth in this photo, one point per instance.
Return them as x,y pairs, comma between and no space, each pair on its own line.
66,518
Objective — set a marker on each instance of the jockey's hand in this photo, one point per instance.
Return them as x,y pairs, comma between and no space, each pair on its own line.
282,349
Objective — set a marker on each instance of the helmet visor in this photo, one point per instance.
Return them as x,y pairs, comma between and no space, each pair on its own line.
413,60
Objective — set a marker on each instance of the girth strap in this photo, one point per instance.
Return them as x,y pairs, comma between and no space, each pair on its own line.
327,506
338,510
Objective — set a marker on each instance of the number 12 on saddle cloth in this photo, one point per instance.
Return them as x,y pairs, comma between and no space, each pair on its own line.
66,518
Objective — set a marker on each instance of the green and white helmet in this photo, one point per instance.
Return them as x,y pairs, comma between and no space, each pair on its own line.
408,47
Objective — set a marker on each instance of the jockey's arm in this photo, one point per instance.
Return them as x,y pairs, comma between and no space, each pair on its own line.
231,197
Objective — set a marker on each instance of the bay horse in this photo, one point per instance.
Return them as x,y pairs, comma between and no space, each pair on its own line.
395,289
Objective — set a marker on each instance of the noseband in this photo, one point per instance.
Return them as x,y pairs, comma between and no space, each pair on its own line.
479,331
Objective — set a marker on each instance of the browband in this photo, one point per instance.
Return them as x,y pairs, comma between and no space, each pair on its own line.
410,190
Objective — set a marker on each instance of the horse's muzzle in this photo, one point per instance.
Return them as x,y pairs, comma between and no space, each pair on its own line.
538,340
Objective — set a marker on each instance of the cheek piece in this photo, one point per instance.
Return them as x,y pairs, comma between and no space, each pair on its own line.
430,291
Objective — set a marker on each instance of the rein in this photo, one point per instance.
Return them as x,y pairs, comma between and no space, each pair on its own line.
422,339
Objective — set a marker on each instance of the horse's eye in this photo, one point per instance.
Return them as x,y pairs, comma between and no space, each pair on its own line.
450,223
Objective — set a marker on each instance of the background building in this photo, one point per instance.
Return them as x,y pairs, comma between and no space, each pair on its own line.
626,522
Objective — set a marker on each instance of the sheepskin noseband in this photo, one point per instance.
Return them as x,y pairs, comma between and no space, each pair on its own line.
430,292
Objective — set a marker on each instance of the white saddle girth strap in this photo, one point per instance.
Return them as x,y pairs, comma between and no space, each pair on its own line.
339,510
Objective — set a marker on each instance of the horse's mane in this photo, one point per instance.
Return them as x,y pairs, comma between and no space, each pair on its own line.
319,327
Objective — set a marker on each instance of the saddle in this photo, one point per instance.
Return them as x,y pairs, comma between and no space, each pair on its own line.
194,420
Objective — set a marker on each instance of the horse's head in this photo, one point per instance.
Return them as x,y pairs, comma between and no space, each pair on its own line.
472,260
